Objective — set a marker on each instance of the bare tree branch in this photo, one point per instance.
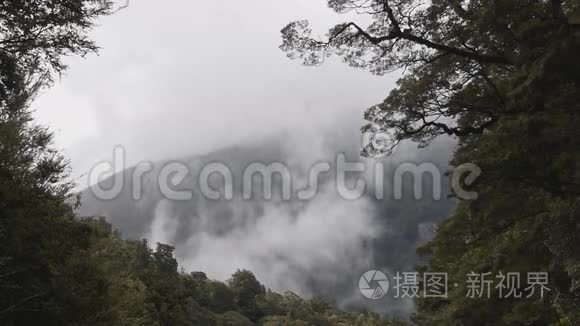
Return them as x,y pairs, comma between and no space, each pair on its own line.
397,33
21,302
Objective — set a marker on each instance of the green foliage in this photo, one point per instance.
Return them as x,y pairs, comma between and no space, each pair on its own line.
503,77
40,239
474,62
163,258
37,228
105,280
246,288
60,269
39,33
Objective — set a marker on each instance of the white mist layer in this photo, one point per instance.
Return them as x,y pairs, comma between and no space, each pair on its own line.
286,248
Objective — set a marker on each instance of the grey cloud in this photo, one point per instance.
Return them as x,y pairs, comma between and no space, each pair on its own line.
204,80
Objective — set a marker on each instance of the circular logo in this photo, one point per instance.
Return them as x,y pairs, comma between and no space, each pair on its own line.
373,284
378,143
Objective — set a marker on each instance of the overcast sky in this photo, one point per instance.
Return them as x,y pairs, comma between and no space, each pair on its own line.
184,77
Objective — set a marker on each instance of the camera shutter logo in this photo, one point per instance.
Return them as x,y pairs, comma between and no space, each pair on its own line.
374,284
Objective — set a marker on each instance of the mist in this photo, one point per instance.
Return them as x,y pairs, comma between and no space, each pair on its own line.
315,248
202,81
187,77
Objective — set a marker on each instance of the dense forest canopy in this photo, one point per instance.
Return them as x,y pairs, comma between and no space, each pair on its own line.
504,77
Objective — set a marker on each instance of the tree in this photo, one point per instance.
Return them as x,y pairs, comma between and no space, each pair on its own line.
33,194
164,259
57,268
468,61
246,288
41,33
38,232
502,76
